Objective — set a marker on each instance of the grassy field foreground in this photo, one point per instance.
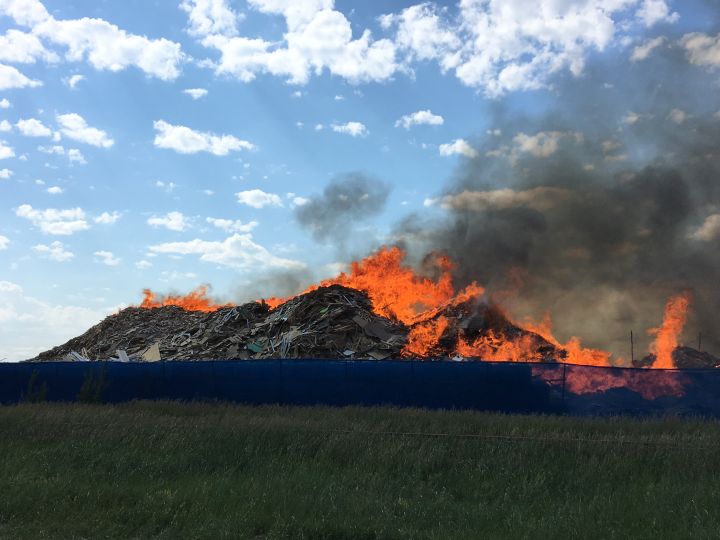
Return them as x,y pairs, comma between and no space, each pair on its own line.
169,470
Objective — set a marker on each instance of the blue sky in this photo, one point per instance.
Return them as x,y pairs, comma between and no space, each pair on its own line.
169,144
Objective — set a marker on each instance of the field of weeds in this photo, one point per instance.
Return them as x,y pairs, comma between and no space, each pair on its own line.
174,470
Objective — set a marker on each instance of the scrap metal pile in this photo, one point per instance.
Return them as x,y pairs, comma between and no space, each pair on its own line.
330,322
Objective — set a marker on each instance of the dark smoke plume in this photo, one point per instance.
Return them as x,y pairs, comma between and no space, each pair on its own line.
346,201
597,213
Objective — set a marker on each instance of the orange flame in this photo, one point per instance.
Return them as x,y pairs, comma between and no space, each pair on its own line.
498,348
576,353
666,335
395,290
424,336
197,300
399,293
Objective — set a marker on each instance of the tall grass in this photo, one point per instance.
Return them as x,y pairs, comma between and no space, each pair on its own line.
170,470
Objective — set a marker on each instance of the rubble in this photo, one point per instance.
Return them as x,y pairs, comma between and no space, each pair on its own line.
330,322
475,321
684,358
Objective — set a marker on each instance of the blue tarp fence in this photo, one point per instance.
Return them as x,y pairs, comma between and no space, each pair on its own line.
499,386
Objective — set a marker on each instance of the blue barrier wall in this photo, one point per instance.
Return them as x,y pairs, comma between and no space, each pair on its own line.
510,387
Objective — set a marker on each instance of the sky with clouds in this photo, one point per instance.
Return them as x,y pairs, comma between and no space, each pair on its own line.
170,144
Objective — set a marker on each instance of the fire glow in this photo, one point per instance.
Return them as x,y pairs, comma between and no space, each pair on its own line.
399,293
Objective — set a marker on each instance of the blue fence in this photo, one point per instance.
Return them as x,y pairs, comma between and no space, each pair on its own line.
510,387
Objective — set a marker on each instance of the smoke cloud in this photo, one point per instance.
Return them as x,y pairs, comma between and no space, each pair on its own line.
345,202
596,213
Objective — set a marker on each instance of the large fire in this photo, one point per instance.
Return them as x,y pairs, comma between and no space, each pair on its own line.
399,293
396,291
666,335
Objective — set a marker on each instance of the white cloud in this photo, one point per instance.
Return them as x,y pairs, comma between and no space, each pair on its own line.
207,17
173,221
55,251
6,151
237,251
642,51
187,141
75,156
73,80
709,231
300,201
418,118
142,265
702,49
54,190
5,174
652,12
4,103
106,218
319,127
53,221
167,186
354,129
458,146
32,127
257,198
422,32
318,38
55,149
25,12
74,126
24,48
10,77
5,126
29,325
678,116
104,45
195,93
632,118
542,144
501,46
107,258
228,225
4,242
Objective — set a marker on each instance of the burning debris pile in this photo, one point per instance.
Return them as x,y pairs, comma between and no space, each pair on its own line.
330,322
683,358
381,309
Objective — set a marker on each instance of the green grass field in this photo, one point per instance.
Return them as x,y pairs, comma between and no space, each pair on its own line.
169,470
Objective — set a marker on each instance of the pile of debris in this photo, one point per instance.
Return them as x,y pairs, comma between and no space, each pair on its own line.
684,358
330,322
475,321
